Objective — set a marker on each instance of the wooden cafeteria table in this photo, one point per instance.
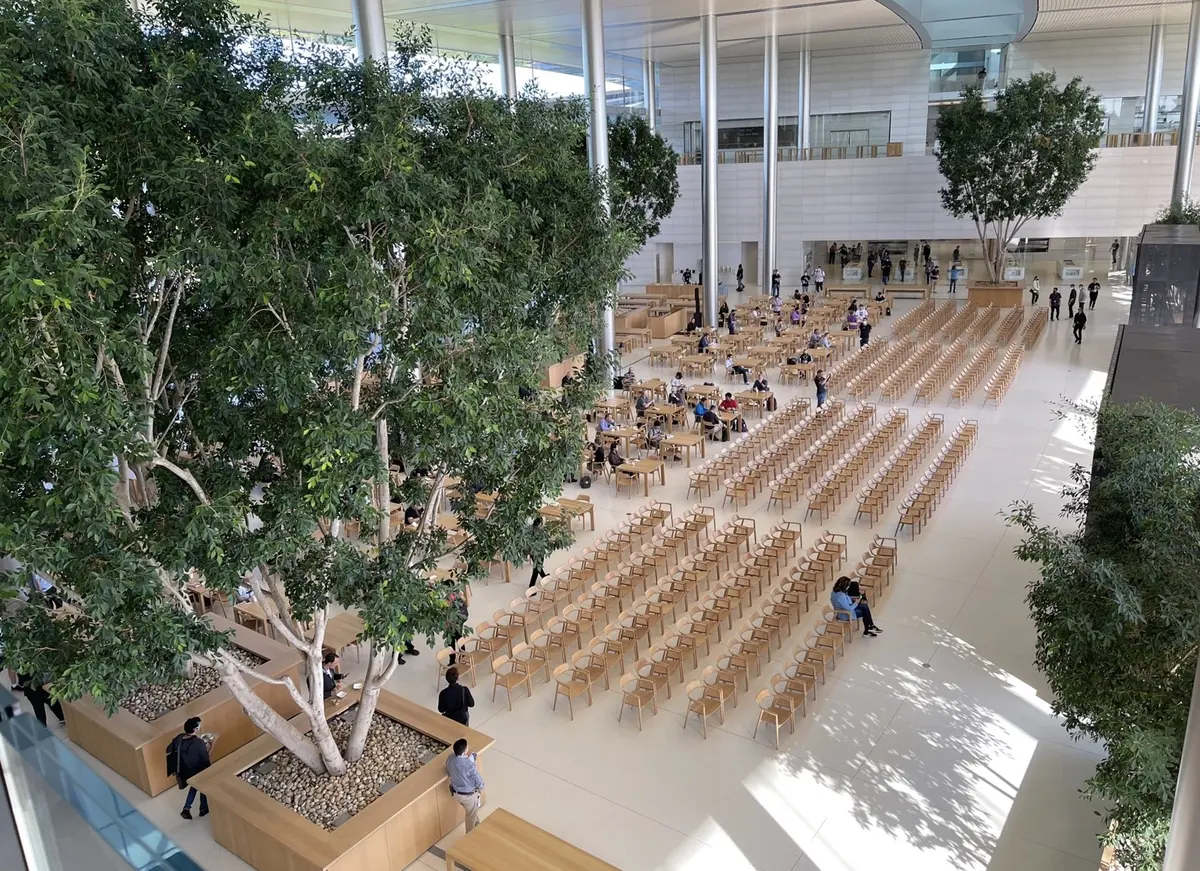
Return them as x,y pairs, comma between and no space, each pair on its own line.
754,399
505,842
625,433
341,631
673,414
569,509
688,440
646,468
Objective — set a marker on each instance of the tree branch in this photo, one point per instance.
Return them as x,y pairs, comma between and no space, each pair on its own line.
183,475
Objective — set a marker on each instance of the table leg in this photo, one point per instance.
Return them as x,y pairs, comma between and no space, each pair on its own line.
449,862
688,456
646,484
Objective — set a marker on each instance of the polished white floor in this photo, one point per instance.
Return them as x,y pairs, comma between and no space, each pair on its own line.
933,747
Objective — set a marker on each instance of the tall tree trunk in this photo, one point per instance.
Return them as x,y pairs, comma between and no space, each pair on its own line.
270,721
378,671
322,737
385,481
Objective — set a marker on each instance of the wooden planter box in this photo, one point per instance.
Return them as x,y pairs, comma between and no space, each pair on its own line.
137,750
665,325
390,833
1005,295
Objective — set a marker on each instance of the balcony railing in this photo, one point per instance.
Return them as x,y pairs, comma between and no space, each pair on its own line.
1137,140
792,153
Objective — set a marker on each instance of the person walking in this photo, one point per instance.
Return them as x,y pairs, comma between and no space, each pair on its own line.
1093,294
39,698
465,783
832,253
885,270
926,251
1035,290
871,263
819,279
537,549
1116,248
775,282
1079,324
903,269
187,756
821,383
1055,305
741,273
1071,302
954,270
864,333
955,256
455,701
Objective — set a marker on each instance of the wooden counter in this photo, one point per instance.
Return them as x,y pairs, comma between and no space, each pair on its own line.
556,372
662,326
672,290
390,833
632,317
137,749
1000,297
505,842
848,291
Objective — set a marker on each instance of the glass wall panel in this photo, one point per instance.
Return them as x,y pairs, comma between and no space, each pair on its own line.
851,129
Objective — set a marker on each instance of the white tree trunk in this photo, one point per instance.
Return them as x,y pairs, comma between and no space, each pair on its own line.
378,672
322,737
270,721
385,482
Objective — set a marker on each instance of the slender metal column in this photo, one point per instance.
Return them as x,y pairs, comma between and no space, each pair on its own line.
651,89
370,31
1154,78
508,65
708,130
1182,184
1183,839
594,84
770,154
805,105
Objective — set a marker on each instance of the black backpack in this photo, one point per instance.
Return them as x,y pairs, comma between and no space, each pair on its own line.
585,482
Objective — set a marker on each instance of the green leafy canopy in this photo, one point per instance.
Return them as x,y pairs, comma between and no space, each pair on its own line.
213,251
1024,158
1116,611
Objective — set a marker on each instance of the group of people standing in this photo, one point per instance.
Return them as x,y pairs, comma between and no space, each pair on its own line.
1078,318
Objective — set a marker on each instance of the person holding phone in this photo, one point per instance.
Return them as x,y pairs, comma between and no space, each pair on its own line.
845,605
465,783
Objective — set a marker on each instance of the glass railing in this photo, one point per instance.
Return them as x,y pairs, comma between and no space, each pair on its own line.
66,817
792,153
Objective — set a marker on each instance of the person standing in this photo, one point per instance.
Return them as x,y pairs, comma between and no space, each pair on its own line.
455,701
537,549
864,333
903,269
187,756
1035,290
870,263
465,783
926,251
805,280
1116,248
1079,325
955,256
821,383
39,698
740,274
1093,294
1071,302
819,279
885,270
687,276
775,281
1055,305
832,252
954,277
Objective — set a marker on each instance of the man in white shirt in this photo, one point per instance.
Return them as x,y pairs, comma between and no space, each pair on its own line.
819,279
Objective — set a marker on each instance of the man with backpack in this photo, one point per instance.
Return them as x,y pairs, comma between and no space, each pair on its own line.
187,756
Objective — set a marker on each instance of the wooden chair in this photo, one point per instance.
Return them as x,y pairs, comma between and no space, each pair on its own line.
703,701
510,675
592,666
776,709
571,682
637,693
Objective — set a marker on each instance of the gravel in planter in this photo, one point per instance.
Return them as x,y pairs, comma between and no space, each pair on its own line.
155,700
393,752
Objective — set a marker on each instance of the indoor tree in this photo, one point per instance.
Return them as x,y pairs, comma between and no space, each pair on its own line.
240,287
1116,611
1020,159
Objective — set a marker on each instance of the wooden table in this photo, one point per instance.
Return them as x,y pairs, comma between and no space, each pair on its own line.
569,509
673,414
698,363
755,399
505,842
252,616
625,433
341,631
652,386
618,407
646,469
687,440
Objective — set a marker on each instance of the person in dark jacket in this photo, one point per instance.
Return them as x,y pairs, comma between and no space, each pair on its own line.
455,701
187,756
331,678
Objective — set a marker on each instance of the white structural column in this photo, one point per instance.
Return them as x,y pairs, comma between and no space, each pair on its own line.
370,31
770,154
1154,73
650,87
1183,840
508,65
594,84
708,130
805,105
1187,116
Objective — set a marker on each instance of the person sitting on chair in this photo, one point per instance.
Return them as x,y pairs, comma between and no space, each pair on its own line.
846,605
614,456
655,435
606,424
728,403
711,422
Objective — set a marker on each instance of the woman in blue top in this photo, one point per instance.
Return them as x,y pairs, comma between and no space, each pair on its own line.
843,602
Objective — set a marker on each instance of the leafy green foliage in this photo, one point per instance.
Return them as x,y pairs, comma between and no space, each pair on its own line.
1187,211
219,259
1024,158
1116,611
642,169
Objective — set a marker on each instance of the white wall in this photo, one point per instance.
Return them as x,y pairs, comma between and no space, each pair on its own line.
1114,66
894,198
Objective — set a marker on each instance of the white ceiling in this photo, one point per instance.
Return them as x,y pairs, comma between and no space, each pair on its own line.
1059,18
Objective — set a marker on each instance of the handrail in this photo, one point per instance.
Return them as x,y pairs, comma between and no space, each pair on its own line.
791,153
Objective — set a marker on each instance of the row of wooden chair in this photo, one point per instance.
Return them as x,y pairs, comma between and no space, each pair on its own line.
856,364
933,324
869,379
967,381
1009,326
923,498
983,324
930,385
1033,331
960,323
902,378
877,495
745,484
997,385
761,435
788,487
907,323
827,494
